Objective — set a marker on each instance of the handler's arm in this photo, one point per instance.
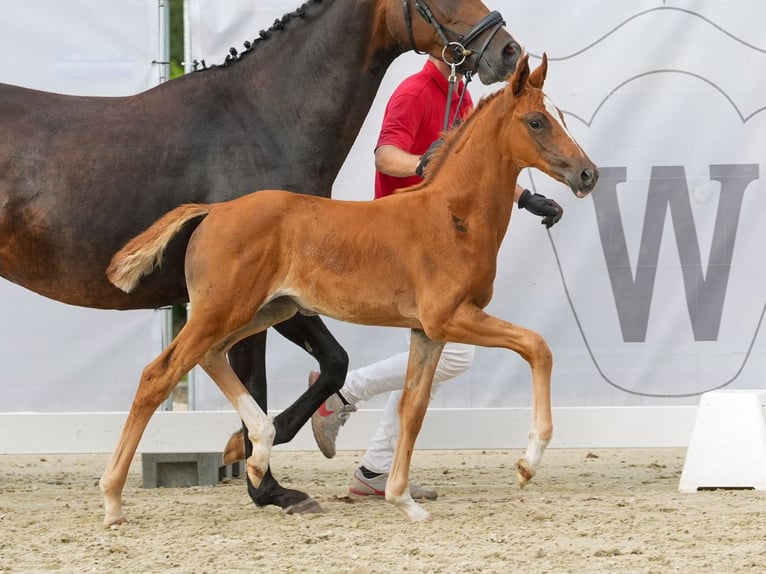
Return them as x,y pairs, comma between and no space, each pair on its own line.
393,161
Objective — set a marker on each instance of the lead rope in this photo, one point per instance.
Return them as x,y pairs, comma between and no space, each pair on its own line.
452,80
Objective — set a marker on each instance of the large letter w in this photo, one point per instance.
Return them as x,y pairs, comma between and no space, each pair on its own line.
705,292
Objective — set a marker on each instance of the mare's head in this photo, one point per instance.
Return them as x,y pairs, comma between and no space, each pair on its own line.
537,134
461,31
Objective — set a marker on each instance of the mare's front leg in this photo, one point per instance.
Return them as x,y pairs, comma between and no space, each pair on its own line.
248,359
472,325
421,366
311,334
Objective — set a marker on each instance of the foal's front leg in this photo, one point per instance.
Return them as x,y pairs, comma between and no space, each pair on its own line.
423,359
472,325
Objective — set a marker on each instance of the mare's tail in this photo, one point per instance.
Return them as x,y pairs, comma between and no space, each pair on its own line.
144,252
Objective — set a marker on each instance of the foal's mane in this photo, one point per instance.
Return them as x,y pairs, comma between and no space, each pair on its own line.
454,139
279,24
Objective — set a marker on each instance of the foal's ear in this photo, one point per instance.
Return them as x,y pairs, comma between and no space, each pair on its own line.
520,76
537,78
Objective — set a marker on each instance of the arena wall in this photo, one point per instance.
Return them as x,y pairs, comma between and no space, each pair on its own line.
650,292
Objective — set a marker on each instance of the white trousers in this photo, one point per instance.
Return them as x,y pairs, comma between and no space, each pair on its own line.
388,376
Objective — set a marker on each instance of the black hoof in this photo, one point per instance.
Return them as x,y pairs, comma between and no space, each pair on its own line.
290,501
307,506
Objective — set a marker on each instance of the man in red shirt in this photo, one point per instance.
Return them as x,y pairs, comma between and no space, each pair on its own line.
413,121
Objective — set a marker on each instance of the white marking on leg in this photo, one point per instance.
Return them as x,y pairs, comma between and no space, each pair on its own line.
535,449
414,511
261,431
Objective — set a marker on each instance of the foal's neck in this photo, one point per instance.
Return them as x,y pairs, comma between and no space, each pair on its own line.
480,174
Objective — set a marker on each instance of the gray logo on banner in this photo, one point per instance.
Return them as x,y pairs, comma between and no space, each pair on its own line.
705,288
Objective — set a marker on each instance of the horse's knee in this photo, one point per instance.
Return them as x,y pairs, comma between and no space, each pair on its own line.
333,367
539,354
336,362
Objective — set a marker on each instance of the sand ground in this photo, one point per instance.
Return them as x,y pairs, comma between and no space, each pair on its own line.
586,511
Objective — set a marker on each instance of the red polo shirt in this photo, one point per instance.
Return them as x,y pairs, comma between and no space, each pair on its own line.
414,118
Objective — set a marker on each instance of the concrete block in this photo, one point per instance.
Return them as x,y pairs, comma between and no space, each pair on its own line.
185,469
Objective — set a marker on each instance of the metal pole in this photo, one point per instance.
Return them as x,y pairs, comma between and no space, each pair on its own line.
191,380
164,47
167,337
163,14
188,56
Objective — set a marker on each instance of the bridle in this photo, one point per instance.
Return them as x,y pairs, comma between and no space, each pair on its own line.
492,21
454,52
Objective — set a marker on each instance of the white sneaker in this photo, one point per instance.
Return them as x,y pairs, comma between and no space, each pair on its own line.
327,420
375,487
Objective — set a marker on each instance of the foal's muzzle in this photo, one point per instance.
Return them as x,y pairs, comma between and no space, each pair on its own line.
585,182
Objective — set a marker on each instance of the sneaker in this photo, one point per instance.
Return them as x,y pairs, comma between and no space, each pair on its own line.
327,420
375,487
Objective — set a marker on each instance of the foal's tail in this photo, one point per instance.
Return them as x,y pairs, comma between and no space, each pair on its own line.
144,252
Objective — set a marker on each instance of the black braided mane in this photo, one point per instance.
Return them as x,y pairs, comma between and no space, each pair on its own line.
279,24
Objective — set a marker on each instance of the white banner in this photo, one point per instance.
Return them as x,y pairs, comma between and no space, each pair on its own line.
56,357
652,290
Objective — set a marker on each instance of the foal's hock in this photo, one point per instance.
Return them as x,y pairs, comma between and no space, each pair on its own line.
262,258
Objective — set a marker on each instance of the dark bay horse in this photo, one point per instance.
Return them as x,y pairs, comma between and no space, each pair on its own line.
79,176
257,260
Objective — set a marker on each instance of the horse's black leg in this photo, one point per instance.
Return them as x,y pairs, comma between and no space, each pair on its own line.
248,359
310,333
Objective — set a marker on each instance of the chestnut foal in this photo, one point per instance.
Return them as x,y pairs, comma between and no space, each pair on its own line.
424,259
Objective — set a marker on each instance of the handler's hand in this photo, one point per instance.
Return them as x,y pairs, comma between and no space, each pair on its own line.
538,204
426,157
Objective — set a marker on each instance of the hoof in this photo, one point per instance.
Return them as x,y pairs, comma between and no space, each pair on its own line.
235,448
114,522
306,506
419,515
413,511
523,473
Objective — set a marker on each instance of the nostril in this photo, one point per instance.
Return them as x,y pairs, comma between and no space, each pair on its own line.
586,175
510,49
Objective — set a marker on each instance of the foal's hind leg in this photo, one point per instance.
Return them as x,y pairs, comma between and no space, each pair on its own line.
423,359
260,429
247,358
157,381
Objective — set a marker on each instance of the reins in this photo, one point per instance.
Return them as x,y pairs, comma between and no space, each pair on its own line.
491,22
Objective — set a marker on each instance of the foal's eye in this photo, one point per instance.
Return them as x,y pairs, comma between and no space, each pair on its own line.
535,124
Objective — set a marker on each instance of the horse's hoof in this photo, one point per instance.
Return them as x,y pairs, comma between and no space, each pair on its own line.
235,448
523,473
305,506
115,522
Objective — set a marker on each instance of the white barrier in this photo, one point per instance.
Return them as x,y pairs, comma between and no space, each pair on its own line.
207,431
728,444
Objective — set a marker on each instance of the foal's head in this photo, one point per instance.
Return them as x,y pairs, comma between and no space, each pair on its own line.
537,134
